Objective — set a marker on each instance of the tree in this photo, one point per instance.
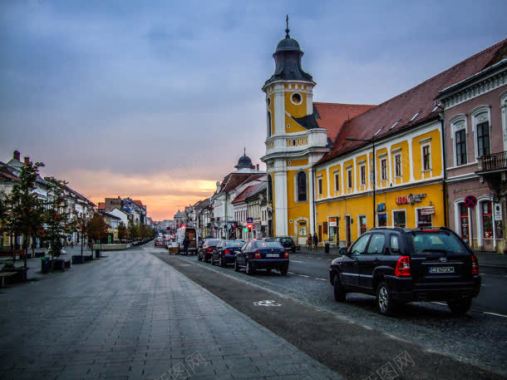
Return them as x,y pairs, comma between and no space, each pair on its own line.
56,216
24,209
97,228
134,231
122,232
81,223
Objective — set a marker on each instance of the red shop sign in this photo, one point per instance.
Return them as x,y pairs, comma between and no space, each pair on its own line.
470,201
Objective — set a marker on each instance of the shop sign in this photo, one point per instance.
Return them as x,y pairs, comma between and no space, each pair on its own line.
428,211
332,222
470,201
249,220
498,211
381,207
410,199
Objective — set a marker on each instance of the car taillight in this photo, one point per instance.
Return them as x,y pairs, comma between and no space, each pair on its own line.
258,255
227,251
475,266
209,249
402,268
286,254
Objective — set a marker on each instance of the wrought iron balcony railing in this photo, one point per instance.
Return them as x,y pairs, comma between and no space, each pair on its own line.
493,162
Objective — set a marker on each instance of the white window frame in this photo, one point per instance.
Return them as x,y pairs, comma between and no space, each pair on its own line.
477,119
423,145
398,154
398,210
336,175
383,160
458,123
361,167
350,178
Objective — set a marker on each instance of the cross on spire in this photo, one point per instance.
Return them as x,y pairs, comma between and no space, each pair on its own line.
287,30
244,151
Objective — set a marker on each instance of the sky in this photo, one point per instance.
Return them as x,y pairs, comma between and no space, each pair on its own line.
157,99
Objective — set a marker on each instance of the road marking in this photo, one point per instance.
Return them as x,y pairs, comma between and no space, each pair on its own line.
496,314
290,272
297,261
440,303
303,275
267,303
321,279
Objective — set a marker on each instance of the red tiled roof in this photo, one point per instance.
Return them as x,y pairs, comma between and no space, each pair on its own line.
248,192
233,180
101,206
332,116
138,202
419,100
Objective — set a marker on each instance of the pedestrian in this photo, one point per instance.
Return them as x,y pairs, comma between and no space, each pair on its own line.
315,240
185,245
309,241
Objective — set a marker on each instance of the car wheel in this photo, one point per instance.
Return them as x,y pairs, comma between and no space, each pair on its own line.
385,303
284,270
249,268
221,262
460,307
338,290
236,266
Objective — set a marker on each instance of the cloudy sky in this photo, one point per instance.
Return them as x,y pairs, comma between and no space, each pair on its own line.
156,99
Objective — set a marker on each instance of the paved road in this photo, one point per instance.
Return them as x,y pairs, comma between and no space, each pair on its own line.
478,339
131,316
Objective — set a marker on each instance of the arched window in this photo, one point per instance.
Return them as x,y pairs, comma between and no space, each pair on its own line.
269,124
301,182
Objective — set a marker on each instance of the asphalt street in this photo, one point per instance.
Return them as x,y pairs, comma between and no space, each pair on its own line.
478,340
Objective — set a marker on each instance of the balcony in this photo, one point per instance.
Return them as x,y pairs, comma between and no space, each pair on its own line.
296,142
492,163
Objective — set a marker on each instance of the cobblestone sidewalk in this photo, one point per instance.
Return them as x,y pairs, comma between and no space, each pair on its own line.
131,316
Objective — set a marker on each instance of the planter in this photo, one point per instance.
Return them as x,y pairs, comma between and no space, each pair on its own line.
78,259
88,258
59,264
45,265
97,253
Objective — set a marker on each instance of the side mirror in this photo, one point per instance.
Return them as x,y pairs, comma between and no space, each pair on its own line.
342,251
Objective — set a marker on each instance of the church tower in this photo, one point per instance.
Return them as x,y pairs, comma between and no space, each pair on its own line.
294,141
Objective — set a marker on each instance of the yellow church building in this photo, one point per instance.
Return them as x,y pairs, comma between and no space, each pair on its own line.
322,158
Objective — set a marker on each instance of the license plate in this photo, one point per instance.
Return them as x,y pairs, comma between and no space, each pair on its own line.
272,255
441,269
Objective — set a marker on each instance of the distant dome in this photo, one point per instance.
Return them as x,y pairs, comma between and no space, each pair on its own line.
244,162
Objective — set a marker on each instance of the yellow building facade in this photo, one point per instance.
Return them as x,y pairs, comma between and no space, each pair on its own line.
322,185
408,192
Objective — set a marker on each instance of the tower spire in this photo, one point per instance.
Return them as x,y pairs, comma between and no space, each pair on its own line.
287,30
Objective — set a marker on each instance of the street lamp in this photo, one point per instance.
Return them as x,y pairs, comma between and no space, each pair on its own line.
372,142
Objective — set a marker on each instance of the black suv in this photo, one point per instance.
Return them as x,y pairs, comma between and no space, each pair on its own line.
402,265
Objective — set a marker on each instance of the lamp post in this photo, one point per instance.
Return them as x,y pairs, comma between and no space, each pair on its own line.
374,187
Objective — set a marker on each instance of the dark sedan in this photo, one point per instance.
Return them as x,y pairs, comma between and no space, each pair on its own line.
225,252
207,249
261,254
286,242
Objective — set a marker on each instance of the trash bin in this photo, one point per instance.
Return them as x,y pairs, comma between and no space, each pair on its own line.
97,253
45,264
326,247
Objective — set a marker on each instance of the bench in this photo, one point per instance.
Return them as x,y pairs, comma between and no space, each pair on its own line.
3,275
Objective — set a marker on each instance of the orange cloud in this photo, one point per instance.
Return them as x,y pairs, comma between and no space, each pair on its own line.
162,194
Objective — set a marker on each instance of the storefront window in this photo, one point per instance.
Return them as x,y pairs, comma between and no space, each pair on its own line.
464,222
382,219
400,219
362,224
424,218
487,220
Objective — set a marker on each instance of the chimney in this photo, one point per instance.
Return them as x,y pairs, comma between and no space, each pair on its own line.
16,155
27,160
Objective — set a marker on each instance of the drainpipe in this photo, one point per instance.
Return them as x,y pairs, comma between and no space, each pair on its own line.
312,206
444,164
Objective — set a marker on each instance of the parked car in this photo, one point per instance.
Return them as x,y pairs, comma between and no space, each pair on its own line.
225,252
285,241
159,242
190,234
207,249
262,254
401,265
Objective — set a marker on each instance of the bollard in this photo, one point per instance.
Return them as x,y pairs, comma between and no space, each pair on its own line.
326,247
